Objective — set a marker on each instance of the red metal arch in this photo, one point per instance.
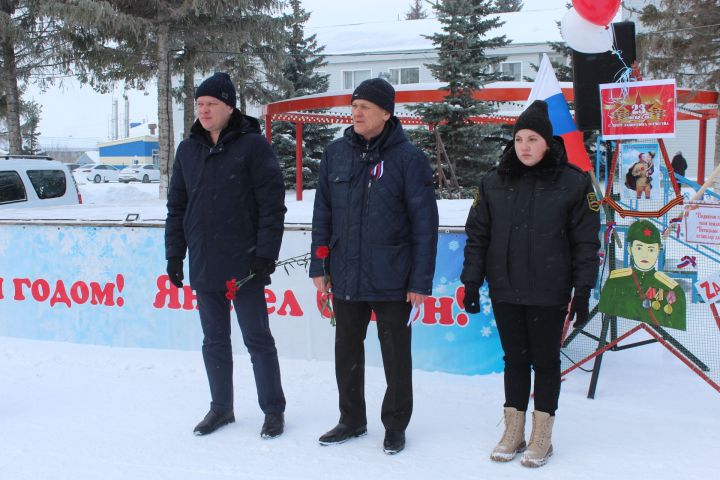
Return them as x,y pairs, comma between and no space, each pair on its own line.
299,111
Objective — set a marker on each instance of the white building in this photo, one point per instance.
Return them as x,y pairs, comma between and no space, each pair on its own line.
398,51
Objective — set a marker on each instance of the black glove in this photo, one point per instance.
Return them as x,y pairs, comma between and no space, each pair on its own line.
472,298
175,271
580,307
262,267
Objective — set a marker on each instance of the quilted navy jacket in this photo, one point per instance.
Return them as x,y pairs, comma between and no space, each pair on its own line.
375,208
226,203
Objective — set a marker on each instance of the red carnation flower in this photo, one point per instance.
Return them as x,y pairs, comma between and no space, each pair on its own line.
232,289
322,252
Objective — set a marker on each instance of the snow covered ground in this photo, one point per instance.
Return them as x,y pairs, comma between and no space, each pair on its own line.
88,412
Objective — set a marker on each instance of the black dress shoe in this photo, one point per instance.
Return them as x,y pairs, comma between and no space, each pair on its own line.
212,421
273,426
394,442
342,433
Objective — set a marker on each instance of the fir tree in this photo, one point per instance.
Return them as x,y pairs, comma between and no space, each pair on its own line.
122,40
29,128
30,48
299,76
505,6
463,63
416,11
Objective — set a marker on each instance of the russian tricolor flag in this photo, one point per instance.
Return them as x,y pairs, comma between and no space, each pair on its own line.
547,88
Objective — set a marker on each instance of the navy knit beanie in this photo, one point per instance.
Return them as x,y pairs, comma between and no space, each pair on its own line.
535,118
219,86
377,91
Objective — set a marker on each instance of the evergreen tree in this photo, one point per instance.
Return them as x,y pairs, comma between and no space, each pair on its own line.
123,40
31,135
299,76
416,11
683,42
463,63
505,6
30,48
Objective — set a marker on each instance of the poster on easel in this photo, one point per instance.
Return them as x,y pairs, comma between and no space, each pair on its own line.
640,167
640,291
632,110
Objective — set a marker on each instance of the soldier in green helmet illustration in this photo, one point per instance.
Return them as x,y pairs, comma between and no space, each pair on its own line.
640,292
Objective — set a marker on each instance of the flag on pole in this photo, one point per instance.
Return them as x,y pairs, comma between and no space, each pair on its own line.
547,88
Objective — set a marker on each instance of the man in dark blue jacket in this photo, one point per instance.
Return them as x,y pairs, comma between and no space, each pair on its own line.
375,210
226,208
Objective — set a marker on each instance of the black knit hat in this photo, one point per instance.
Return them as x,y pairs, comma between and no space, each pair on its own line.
219,86
377,91
535,118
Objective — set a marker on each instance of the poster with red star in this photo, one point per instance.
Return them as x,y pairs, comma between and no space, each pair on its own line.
633,110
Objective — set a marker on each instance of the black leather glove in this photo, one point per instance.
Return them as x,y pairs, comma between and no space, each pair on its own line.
175,271
472,298
580,307
262,267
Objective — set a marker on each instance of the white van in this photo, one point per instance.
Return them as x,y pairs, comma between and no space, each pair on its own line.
35,181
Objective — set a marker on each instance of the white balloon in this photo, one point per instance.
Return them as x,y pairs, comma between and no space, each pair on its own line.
584,36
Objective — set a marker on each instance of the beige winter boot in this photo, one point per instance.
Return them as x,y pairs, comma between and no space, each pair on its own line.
540,447
513,440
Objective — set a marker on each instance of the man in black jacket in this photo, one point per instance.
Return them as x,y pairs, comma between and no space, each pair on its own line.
375,210
226,208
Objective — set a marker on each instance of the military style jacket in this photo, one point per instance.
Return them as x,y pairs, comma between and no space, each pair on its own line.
533,231
654,292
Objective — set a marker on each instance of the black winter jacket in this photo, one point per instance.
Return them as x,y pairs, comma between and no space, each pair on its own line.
533,232
382,232
226,203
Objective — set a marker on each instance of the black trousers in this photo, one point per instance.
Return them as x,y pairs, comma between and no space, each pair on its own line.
251,310
530,337
352,319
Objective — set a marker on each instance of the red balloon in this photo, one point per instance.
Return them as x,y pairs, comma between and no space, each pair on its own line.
599,12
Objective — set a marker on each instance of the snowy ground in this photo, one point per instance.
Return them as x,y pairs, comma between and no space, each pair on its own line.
87,412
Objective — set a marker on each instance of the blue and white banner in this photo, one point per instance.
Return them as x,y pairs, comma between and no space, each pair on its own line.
107,286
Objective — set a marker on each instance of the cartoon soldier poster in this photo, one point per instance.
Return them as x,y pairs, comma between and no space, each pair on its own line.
640,292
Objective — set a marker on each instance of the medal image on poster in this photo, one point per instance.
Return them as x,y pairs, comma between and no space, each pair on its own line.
640,167
639,291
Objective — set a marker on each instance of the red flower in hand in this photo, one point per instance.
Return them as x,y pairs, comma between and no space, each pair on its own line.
232,289
322,252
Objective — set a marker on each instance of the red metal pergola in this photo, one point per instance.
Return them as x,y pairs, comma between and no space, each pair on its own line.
294,110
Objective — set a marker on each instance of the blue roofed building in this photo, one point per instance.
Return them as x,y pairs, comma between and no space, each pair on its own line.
131,150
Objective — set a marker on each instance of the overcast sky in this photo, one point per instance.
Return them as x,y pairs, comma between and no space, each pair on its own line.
81,113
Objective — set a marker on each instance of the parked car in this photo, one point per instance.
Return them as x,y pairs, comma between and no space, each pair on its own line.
96,173
145,173
34,181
